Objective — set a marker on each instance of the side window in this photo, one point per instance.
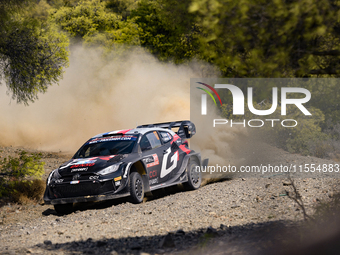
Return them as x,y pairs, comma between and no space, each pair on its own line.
87,152
150,141
145,144
166,137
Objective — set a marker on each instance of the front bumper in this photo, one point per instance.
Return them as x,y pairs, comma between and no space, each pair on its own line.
80,199
84,191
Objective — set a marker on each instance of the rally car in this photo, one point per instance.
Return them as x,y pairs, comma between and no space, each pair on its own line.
131,162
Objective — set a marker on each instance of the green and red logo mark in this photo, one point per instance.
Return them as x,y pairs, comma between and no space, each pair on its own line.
204,97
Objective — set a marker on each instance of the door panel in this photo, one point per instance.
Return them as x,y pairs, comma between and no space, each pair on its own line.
152,154
153,161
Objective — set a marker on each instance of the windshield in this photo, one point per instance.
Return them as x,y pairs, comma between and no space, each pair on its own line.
104,146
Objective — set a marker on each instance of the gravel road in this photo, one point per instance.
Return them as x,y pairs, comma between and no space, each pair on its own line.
238,216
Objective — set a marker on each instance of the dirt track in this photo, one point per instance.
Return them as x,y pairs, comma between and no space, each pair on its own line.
236,216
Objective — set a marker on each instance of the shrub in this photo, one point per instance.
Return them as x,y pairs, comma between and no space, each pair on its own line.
24,166
20,177
24,191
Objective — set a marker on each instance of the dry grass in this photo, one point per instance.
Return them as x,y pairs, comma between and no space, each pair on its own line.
26,192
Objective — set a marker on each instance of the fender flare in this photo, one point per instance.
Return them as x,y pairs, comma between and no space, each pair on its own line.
185,162
195,155
144,175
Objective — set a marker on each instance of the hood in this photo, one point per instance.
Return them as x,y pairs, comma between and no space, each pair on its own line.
89,165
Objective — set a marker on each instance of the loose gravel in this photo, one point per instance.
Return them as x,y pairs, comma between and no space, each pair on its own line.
235,216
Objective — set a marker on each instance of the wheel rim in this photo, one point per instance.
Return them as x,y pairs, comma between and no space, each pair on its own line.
138,188
195,175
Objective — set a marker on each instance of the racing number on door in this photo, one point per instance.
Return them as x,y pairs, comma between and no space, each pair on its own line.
152,174
173,160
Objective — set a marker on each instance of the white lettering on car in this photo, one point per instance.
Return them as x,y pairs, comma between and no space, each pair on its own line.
165,171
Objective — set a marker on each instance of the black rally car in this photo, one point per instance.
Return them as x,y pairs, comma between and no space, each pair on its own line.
128,162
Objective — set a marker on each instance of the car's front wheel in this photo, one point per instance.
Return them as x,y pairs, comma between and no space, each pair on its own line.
63,208
194,175
136,187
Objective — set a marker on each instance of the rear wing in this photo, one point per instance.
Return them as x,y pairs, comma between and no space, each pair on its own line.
186,129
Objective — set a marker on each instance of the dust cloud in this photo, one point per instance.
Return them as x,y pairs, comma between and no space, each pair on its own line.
97,95
222,145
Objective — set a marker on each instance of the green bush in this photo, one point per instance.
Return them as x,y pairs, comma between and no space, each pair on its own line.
3,190
20,177
306,138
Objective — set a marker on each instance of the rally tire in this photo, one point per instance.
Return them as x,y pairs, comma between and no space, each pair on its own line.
63,208
136,188
194,176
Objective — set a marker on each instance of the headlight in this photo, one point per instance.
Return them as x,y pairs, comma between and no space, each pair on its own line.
109,169
53,175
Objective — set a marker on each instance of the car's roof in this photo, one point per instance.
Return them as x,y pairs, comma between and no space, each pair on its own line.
135,131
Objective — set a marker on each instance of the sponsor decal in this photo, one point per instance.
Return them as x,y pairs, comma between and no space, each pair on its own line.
59,181
148,160
156,134
113,138
166,137
81,163
86,161
117,178
79,169
117,183
153,174
94,177
153,181
74,182
151,160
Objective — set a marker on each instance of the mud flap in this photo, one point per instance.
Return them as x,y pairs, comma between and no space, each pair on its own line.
147,190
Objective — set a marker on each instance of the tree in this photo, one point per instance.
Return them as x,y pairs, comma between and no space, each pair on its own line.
167,29
32,53
270,38
96,25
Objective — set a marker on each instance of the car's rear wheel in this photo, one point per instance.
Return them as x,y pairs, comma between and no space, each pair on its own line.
63,208
136,187
194,175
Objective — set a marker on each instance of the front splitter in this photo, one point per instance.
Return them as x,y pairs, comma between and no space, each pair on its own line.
69,200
